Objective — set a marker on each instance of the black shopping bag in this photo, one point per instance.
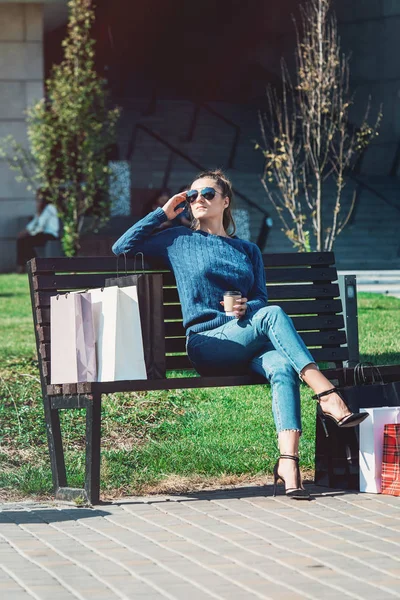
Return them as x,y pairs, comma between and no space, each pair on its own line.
337,456
151,308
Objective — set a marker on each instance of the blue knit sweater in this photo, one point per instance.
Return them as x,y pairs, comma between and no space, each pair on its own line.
205,266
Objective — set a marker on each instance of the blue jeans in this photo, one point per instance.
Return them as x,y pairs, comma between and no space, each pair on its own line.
267,343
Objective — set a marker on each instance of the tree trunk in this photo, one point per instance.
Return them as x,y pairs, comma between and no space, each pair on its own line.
319,215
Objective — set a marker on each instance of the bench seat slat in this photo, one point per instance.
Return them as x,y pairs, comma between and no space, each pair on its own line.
175,383
345,375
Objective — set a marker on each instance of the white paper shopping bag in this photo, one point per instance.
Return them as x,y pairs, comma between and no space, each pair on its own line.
371,445
119,344
72,341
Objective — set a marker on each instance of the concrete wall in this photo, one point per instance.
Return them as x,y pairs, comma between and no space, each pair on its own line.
21,82
370,31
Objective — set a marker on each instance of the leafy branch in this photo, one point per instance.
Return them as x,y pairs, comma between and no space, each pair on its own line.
70,132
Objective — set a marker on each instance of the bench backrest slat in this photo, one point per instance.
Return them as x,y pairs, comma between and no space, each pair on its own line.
336,355
310,323
279,292
92,280
323,323
291,307
310,338
303,284
96,264
300,259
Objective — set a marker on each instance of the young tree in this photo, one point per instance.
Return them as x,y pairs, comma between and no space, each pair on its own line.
308,140
70,132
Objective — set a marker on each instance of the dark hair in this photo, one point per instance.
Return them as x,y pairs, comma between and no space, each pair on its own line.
162,192
226,188
43,194
148,206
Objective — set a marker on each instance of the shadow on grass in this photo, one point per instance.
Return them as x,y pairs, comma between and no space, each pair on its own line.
384,359
376,308
11,295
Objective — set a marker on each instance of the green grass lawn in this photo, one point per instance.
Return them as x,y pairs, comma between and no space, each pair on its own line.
155,440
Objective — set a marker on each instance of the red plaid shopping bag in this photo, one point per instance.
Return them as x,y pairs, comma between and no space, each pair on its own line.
391,460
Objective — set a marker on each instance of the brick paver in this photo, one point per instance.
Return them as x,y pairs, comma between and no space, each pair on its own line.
237,544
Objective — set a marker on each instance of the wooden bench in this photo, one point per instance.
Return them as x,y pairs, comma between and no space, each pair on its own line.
303,284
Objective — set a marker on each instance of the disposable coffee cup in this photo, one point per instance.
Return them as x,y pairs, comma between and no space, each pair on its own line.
230,299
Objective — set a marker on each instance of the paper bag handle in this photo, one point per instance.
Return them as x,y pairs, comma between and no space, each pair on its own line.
134,262
126,270
360,377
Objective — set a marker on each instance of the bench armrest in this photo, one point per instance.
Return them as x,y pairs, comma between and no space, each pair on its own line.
348,296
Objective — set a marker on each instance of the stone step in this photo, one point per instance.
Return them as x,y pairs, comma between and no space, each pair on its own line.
371,241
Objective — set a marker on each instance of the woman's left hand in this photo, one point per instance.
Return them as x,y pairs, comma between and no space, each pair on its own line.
239,308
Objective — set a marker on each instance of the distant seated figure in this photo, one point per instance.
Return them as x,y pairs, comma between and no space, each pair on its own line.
44,227
157,201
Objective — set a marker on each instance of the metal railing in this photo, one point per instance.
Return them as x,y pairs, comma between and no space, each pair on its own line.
185,157
197,107
373,191
266,222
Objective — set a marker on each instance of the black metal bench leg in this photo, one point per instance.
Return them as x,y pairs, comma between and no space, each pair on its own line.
54,440
93,436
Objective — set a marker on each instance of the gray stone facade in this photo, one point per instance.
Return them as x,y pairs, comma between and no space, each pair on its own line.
21,82
370,31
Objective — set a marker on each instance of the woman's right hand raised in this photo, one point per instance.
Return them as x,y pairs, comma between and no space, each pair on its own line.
170,206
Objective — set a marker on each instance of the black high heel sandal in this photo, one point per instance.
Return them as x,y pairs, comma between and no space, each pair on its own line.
298,493
350,420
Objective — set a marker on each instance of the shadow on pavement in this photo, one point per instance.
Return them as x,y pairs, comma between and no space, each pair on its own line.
48,515
265,491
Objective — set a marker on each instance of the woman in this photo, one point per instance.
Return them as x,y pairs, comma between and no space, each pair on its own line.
44,226
207,261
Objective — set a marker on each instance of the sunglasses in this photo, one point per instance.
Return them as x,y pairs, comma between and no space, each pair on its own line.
208,193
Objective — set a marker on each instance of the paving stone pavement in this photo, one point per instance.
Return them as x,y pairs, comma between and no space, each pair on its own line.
238,544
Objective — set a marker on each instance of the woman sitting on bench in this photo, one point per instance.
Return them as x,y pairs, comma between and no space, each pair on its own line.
44,227
209,260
